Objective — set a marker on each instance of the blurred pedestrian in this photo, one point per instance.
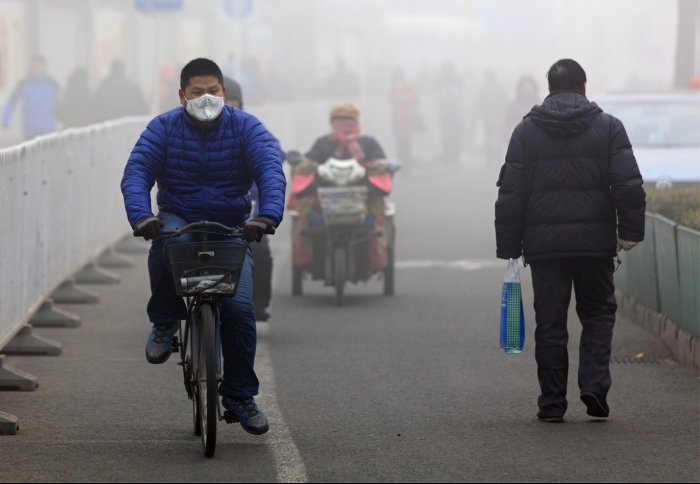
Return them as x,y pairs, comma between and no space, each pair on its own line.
403,98
570,198
342,83
38,93
490,109
117,96
168,87
253,82
75,106
526,97
2,70
450,101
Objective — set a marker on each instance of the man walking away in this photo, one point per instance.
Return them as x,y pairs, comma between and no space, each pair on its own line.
570,198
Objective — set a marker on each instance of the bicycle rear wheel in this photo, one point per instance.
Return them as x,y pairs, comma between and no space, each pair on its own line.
206,377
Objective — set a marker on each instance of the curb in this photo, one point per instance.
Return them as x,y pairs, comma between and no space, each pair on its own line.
684,347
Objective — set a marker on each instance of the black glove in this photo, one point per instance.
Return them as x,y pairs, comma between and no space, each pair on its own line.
255,229
149,228
294,157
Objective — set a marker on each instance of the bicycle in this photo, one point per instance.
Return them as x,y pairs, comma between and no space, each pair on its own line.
204,271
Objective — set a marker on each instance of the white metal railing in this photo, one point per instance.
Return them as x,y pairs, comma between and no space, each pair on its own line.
61,207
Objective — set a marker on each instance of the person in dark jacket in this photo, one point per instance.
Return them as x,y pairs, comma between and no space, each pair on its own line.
345,140
117,96
205,156
262,274
570,198
74,109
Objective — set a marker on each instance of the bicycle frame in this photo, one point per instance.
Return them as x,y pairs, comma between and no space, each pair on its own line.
201,383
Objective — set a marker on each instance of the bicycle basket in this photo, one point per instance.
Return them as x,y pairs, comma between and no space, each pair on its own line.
206,267
343,205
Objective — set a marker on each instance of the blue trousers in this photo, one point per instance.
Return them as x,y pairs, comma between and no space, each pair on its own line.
238,331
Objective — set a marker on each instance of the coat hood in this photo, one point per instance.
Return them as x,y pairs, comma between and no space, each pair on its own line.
565,115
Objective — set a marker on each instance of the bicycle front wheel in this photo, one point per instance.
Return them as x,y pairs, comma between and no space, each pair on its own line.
206,377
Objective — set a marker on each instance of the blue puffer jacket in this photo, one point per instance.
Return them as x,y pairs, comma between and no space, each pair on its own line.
205,174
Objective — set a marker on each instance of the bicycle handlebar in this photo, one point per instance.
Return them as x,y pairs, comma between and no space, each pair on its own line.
204,224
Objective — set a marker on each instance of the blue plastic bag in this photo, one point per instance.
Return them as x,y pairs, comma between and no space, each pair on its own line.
512,314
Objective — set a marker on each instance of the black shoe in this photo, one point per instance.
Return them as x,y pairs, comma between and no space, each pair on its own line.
262,315
248,413
550,418
596,406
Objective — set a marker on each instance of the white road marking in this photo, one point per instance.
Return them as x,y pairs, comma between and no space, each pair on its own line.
288,462
459,264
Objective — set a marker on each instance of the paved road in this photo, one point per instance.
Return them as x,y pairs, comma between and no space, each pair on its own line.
409,388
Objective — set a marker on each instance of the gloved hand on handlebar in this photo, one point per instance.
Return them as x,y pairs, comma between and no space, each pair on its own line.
149,227
257,227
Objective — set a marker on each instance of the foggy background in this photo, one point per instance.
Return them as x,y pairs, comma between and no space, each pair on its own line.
461,58
411,387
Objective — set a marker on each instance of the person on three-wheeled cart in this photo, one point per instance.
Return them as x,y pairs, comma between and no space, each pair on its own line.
343,225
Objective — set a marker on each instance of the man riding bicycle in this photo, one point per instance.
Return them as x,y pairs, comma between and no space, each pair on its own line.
205,156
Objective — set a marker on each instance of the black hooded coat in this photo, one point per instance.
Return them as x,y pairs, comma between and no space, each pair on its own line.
570,185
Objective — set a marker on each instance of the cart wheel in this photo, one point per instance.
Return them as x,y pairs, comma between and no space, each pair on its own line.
297,283
389,273
389,277
339,275
297,272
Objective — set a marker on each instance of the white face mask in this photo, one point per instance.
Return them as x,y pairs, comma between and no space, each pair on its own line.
206,107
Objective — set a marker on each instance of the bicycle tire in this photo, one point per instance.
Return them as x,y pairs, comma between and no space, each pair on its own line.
189,359
207,384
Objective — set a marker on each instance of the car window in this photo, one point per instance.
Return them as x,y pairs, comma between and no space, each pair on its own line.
659,124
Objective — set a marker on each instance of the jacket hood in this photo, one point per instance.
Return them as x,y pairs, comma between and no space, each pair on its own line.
565,115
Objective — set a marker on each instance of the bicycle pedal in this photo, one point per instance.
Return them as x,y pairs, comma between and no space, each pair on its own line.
175,345
230,417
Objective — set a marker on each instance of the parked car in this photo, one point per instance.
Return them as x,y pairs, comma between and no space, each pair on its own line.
664,129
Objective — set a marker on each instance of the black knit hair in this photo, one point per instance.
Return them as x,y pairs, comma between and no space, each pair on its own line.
199,67
233,90
566,75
